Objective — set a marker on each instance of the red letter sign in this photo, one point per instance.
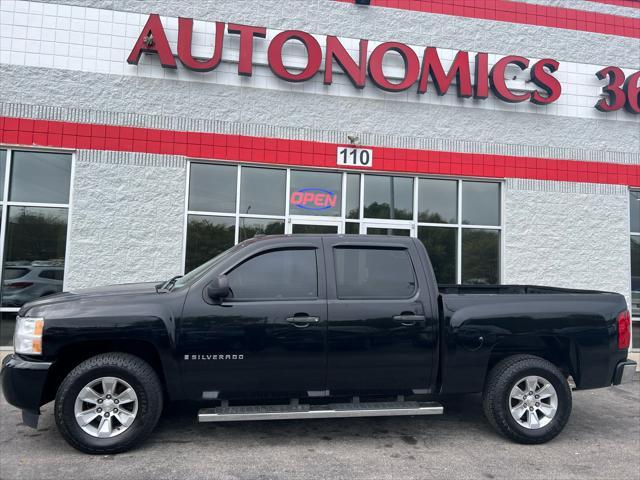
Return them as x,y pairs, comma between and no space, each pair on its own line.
632,91
185,31
481,90
411,66
245,62
357,72
546,81
152,39
314,55
496,78
459,69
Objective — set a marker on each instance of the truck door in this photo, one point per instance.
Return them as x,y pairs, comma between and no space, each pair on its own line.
269,335
381,336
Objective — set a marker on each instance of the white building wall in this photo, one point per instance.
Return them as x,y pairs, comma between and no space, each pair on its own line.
127,219
567,235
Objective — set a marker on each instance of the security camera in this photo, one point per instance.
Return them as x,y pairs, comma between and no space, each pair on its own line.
353,139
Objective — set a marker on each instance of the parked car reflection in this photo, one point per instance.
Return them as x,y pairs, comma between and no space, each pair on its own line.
635,296
25,281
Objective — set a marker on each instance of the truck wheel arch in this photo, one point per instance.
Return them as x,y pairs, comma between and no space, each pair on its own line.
74,354
560,351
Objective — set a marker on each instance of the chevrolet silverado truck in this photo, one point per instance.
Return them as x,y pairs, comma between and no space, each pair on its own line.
295,327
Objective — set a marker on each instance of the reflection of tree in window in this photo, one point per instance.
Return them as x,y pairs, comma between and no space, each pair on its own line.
433,217
480,254
353,213
36,234
388,197
383,210
208,237
441,247
249,228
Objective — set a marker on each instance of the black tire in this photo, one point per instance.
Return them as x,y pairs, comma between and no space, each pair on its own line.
133,370
496,403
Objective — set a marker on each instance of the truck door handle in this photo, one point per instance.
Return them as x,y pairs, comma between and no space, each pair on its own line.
302,321
408,320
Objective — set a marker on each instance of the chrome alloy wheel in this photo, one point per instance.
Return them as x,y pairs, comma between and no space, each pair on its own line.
533,402
106,407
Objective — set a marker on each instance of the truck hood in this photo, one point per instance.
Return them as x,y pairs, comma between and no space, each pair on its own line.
96,292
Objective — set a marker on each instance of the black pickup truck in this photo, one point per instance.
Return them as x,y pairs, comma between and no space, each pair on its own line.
304,326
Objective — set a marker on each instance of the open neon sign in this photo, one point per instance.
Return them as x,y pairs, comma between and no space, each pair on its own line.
314,199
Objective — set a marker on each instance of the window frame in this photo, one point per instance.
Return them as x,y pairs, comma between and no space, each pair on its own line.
5,204
341,220
634,319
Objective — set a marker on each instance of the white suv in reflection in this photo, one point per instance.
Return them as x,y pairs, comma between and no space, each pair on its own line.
22,283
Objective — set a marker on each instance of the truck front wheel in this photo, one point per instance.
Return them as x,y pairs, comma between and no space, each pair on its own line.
109,403
527,399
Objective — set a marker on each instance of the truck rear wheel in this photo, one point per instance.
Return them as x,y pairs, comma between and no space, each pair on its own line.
527,399
109,403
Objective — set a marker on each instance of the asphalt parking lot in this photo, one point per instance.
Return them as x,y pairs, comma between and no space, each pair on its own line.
602,440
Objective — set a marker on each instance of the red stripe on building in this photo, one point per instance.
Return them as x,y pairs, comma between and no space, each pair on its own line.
619,3
522,13
216,146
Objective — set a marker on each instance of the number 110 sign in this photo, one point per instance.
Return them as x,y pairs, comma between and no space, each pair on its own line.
355,157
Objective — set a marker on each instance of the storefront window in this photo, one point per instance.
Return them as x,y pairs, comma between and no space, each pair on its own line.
457,220
437,201
212,188
480,256
208,236
353,196
480,203
220,215
34,214
40,178
35,241
3,167
388,197
352,228
261,191
634,209
314,229
441,243
315,193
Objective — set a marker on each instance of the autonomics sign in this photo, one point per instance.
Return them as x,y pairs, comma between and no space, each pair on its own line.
620,91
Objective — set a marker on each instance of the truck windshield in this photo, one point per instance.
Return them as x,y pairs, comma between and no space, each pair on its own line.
198,272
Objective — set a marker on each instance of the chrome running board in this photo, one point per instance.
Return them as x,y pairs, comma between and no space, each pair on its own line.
334,410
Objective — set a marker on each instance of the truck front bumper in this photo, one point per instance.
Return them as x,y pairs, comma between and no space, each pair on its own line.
625,372
23,384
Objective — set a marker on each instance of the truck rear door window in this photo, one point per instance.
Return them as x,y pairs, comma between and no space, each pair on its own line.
373,273
276,275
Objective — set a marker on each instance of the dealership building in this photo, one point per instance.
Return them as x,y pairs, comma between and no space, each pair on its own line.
139,139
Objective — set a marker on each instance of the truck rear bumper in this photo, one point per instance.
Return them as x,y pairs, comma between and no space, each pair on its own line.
23,382
625,372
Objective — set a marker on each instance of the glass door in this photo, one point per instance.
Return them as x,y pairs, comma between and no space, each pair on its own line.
383,228
315,226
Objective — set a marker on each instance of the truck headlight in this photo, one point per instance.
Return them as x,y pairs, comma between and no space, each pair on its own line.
28,335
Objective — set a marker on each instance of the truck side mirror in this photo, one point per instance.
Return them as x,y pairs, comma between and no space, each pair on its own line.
218,288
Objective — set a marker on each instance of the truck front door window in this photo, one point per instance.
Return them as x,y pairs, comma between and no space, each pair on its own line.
276,275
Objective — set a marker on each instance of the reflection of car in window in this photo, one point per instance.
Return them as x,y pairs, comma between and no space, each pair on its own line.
22,283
